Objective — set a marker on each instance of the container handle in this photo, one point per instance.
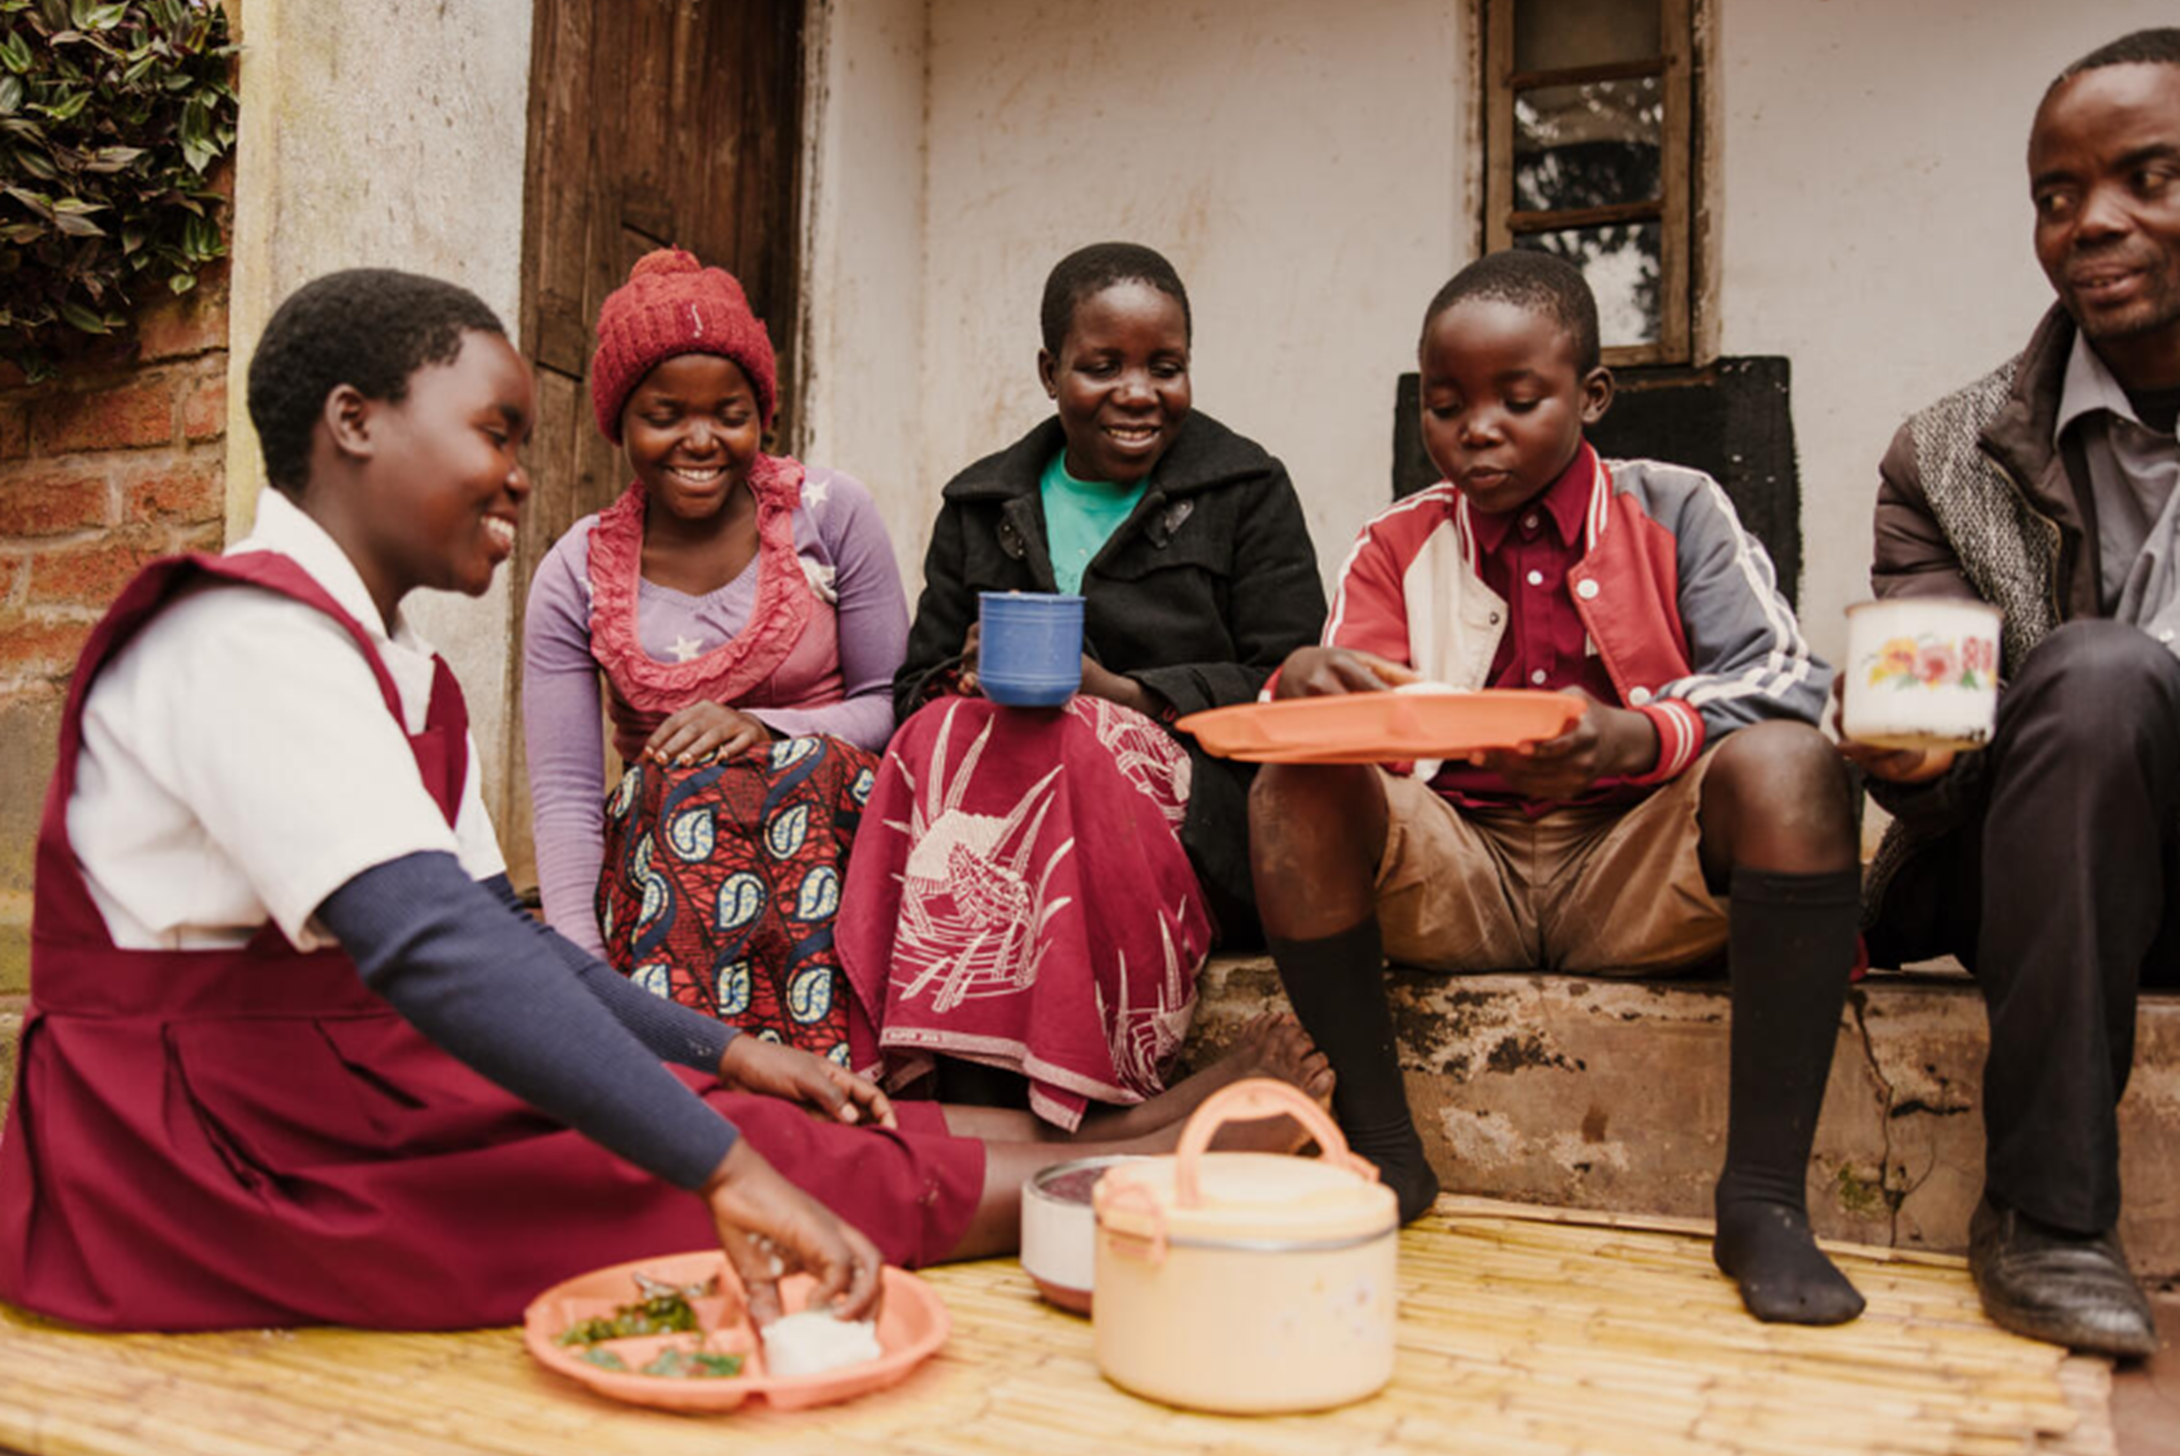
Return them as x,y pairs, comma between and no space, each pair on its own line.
1125,1193
1250,1098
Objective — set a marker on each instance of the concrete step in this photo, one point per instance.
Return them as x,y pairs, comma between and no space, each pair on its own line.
1610,1094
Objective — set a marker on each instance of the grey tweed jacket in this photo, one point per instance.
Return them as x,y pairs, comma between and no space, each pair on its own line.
1977,502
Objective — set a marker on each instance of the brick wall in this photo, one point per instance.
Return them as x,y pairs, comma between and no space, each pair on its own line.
100,471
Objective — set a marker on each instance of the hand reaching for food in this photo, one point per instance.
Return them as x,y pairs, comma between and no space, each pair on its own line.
1319,672
769,1228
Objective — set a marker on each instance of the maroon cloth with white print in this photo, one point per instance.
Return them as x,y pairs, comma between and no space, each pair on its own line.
1019,897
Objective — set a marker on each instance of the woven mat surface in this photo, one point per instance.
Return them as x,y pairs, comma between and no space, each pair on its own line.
1523,1331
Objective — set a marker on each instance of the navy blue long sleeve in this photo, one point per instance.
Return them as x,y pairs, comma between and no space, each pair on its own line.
677,1034
466,971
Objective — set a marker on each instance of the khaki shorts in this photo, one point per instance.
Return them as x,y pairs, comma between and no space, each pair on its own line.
1598,890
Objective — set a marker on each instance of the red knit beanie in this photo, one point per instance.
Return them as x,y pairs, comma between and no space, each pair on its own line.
672,304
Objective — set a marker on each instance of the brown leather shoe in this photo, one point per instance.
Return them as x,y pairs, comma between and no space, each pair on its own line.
2071,1289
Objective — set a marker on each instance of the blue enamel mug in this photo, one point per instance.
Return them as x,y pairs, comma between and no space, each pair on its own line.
1029,648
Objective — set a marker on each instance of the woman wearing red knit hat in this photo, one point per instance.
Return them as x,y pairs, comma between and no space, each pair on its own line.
745,614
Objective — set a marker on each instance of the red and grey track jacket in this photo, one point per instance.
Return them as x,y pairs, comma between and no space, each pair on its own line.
1681,604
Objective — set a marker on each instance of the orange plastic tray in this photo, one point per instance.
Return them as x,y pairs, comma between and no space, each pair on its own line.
1393,727
912,1324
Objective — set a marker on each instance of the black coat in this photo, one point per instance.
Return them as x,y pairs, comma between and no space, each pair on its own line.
1201,593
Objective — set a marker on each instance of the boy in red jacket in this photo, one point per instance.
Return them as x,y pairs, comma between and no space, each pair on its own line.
1692,781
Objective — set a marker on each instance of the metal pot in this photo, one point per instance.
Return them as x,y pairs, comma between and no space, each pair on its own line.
1247,1282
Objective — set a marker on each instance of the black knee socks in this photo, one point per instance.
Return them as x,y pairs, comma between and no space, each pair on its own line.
1337,986
1790,946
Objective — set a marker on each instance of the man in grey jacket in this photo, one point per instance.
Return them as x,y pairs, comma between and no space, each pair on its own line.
2051,861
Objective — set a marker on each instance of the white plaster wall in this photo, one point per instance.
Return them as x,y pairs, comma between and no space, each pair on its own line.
1874,222
1310,168
1306,167
863,256
384,135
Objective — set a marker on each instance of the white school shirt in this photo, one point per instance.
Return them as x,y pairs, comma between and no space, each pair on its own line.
239,763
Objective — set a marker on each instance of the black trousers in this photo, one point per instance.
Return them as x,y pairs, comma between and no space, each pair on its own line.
2062,895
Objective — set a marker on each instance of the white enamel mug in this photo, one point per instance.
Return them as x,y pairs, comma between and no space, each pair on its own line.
1922,672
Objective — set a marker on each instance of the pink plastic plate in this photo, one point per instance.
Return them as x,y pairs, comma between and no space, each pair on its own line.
1381,727
912,1324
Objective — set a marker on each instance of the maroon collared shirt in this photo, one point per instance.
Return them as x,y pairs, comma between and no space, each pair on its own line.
1524,556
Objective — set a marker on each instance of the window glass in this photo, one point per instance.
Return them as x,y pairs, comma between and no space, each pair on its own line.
1622,263
1589,134
1589,145
1552,35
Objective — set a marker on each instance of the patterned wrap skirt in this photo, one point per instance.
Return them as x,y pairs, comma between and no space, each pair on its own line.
722,881
1020,898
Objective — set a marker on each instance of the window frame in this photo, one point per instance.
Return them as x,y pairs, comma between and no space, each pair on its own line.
1673,210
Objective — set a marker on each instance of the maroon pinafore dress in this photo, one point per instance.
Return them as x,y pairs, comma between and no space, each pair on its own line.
207,1139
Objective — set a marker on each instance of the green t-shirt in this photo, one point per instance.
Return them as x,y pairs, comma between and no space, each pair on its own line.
1080,517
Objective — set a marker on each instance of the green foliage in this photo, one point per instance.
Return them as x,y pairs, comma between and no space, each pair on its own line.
111,116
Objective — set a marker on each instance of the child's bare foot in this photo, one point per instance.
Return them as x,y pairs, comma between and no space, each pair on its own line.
1271,1045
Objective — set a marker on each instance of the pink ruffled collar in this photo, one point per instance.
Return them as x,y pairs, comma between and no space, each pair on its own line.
776,620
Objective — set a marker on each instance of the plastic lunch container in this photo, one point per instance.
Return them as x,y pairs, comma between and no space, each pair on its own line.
1059,1230
1247,1282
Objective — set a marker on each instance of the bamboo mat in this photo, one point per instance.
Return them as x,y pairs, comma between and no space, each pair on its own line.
1524,1332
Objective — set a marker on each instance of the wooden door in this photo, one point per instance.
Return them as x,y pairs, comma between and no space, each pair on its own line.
652,122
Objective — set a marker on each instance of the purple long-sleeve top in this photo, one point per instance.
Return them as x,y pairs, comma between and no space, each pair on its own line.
842,547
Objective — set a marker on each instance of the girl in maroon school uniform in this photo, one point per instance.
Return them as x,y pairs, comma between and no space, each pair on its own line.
293,1053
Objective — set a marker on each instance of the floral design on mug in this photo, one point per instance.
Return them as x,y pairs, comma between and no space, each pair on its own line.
1932,661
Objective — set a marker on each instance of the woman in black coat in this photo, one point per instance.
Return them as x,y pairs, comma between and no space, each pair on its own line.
1035,890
